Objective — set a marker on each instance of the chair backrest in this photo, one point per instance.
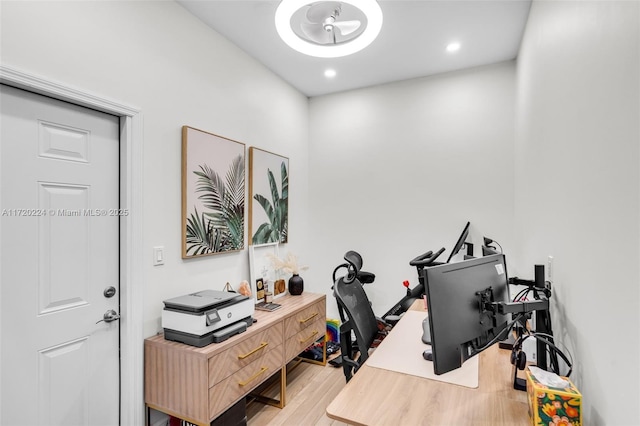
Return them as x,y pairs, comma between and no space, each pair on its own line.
354,302
356,314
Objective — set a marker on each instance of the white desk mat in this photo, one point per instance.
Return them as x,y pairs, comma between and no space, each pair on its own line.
402,349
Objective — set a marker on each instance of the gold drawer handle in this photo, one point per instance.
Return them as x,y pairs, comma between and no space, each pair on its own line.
310,337
307,319
262,346
252,378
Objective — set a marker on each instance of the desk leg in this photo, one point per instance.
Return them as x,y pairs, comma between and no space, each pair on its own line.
283,379
283,386
283,392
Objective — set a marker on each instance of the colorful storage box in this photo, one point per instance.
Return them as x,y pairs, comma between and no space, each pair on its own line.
553,406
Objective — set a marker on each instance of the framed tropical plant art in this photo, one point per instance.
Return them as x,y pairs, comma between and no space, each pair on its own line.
269,197
213,194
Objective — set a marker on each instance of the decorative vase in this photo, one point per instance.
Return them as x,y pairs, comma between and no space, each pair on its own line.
296,285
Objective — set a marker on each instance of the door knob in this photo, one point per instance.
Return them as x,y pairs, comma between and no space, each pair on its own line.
110,316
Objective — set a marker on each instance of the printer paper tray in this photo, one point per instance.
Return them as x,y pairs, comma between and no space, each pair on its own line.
216,336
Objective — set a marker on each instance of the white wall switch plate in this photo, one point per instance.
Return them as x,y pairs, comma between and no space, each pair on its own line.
158,255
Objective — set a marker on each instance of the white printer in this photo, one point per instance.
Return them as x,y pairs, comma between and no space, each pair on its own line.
205,317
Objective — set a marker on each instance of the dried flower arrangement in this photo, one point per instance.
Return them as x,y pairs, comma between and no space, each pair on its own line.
288,265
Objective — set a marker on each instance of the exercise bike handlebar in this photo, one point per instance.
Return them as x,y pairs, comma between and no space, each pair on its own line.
427,258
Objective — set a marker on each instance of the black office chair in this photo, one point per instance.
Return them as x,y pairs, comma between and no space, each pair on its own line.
356,316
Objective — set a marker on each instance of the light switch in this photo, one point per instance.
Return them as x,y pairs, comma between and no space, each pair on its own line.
158,255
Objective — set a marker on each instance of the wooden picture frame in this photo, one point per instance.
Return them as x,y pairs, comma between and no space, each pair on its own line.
213,194
261,268
268,197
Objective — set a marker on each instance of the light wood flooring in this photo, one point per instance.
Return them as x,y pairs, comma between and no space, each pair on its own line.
310,388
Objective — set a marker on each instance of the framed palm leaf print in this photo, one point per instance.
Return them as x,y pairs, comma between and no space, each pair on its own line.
269,197
213,193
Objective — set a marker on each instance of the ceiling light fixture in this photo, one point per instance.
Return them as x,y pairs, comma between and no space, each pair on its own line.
328,29
453,47
330,73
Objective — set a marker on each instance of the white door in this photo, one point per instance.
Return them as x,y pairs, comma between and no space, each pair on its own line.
59,248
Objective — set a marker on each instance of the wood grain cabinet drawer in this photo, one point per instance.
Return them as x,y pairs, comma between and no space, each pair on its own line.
303,339
223,394
245,352
303,319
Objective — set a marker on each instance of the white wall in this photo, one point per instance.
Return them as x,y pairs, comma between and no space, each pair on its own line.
397,170
156,56
577,189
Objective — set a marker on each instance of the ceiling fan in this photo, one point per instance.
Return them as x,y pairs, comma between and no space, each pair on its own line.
324,26
328,29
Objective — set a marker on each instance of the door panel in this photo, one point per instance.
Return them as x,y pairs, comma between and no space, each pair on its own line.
59,170
63,247
64,398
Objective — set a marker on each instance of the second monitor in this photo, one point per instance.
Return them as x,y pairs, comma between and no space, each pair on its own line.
456,295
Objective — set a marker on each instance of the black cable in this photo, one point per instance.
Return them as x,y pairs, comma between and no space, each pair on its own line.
565,351
495,339
553,350
524,291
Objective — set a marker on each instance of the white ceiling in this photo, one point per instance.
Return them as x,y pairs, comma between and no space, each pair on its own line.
412,42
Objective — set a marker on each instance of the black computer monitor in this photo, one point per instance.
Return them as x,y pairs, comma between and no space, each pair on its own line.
461,240
459,322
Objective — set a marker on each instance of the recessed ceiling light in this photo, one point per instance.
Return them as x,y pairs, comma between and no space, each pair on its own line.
330,73
453,47
345,37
